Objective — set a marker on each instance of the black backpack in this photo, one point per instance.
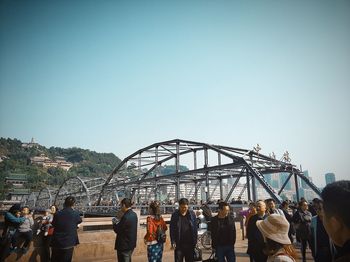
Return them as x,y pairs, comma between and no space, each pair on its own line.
160,234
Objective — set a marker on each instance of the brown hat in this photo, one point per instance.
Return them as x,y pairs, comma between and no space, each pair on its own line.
275,227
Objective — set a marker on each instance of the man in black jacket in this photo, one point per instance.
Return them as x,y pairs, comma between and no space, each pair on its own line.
255,238
336,217
65,235
126,230
183,232
223,233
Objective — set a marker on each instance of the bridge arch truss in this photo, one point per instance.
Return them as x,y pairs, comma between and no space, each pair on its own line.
144,174
45,197
85,191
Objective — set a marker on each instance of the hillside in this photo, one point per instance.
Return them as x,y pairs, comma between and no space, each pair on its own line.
18,158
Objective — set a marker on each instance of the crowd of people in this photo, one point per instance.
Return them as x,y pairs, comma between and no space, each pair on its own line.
57,228
273,232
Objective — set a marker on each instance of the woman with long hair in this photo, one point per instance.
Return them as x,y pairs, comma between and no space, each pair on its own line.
156,228
278,246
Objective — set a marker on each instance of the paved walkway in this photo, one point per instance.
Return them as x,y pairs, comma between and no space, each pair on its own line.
240,248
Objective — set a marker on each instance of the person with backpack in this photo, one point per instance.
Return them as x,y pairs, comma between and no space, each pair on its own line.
155,236
302,221
278,246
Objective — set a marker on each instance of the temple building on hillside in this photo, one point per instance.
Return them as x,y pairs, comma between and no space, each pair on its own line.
46,162
16,180
30,144
17,183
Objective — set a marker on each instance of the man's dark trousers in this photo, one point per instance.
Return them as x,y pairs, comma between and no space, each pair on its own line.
62,254
124,256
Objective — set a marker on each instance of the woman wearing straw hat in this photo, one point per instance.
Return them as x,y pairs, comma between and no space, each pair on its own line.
278,246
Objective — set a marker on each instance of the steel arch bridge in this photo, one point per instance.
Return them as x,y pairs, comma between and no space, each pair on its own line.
85,190
45,198
139,175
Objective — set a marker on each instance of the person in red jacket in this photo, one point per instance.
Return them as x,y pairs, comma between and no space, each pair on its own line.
155,235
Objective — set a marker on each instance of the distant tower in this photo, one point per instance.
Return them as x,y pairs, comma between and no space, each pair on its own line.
283,177
330,178
303,183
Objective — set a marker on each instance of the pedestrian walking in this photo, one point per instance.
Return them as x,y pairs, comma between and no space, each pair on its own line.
223,233
302,221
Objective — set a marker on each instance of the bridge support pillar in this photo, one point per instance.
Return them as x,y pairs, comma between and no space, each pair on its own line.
296,186
177,189
207,195
156,191
221,190
253,188
196,191
248,187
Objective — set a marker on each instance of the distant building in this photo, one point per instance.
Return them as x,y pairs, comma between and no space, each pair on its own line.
30,144
46,162
18,192
275,184
330,178
268,178
303,183
283,177
16,180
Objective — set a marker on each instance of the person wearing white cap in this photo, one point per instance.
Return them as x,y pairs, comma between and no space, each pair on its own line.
278,247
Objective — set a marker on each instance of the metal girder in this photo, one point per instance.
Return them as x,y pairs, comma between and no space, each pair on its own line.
244,188
264,183
309,183
235,184
285,183
209,162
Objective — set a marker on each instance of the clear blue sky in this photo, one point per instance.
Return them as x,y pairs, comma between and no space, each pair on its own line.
116,76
